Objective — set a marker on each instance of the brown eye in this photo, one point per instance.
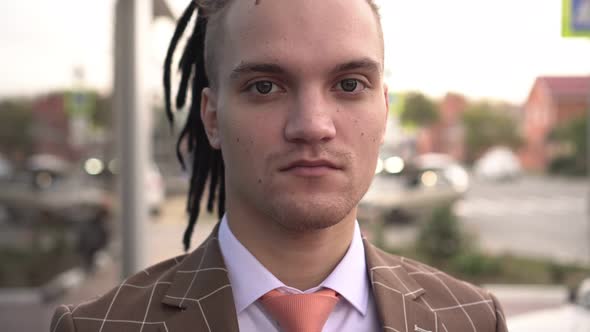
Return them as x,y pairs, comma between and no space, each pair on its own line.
349,85
264,87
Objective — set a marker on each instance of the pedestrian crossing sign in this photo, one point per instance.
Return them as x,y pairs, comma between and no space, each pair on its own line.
575,18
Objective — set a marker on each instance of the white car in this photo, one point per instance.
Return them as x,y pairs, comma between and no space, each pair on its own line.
155,189
574,317
5,168
498,164
449,167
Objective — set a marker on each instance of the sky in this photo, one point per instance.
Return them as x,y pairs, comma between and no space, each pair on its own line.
480,48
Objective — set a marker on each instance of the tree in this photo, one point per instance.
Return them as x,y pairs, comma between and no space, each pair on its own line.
15,127
418,111
487,125
571,137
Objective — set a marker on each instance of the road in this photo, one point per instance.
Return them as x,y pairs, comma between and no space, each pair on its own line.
534,216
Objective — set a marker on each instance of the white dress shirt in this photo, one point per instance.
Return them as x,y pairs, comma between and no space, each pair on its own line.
250,280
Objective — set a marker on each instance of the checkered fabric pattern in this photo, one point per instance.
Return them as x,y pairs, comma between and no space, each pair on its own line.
192,293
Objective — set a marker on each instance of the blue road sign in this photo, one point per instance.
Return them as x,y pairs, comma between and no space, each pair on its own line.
580,17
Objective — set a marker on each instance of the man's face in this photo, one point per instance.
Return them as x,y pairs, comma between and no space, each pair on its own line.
299,110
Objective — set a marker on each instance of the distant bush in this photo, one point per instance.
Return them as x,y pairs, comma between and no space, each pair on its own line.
441,237
442,243
475,264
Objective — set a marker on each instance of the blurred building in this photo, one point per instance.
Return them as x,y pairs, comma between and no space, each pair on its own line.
64,123
446,136
551,102
51,127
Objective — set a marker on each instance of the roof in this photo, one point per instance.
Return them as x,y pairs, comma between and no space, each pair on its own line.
566,86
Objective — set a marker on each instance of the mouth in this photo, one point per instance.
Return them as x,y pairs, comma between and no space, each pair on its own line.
310,168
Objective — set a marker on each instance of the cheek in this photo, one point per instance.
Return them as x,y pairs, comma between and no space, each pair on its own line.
247,141
365,136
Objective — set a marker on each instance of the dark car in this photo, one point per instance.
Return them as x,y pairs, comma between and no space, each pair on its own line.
409,191
53,218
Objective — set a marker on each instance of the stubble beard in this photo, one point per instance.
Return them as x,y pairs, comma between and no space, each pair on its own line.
312,212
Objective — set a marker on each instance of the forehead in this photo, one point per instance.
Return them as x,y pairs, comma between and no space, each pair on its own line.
307,34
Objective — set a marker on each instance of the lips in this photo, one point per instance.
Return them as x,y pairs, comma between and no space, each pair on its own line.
319,163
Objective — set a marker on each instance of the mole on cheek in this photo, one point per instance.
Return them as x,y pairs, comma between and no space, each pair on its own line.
259,181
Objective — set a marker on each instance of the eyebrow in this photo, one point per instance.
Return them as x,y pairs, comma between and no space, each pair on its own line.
247,67
360,64
271,68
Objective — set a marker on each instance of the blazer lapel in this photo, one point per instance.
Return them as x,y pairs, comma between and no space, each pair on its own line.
202,291
397,295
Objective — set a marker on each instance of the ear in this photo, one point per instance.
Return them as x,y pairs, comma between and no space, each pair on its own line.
386,96
209,117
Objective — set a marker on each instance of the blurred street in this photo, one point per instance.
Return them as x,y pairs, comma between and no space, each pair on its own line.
534,216
501,214
164,241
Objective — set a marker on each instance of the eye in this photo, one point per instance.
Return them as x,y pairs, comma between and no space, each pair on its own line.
264,87
351,85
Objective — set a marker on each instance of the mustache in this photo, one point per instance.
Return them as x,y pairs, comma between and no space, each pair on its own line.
337,157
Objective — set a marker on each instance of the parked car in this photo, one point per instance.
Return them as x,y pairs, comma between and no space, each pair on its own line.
5,168
52,209
452,171
498,164
572,317
413,193
155,190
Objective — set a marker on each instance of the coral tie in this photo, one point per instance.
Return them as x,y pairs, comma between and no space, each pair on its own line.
300,312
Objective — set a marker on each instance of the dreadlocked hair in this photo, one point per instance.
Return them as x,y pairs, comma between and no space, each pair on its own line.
207,163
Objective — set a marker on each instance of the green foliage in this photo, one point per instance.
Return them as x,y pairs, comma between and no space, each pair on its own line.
441,237
15,127
571,134
442,243
474,264
486,126
418,111
102,116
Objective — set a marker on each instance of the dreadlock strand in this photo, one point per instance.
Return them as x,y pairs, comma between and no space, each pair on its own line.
201,150
178,32
190,57
213,182
221,198
198,183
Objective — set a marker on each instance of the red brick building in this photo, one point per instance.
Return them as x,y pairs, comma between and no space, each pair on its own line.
552,101
51,126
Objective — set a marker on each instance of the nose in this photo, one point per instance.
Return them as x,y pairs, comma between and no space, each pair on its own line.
310,119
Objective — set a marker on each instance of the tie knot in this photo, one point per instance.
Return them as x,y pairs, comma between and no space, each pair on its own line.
300,312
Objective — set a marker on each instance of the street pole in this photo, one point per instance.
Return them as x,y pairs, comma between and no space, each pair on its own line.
132,114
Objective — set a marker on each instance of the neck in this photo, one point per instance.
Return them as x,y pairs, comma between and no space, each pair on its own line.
284,252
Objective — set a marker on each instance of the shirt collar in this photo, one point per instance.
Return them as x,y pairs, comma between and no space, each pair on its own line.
250,279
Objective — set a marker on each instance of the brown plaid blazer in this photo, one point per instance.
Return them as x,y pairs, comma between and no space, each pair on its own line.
192,293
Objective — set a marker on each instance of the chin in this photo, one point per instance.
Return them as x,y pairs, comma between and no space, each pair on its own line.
311,214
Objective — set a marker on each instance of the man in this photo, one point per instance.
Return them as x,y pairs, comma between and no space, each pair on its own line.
292,109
